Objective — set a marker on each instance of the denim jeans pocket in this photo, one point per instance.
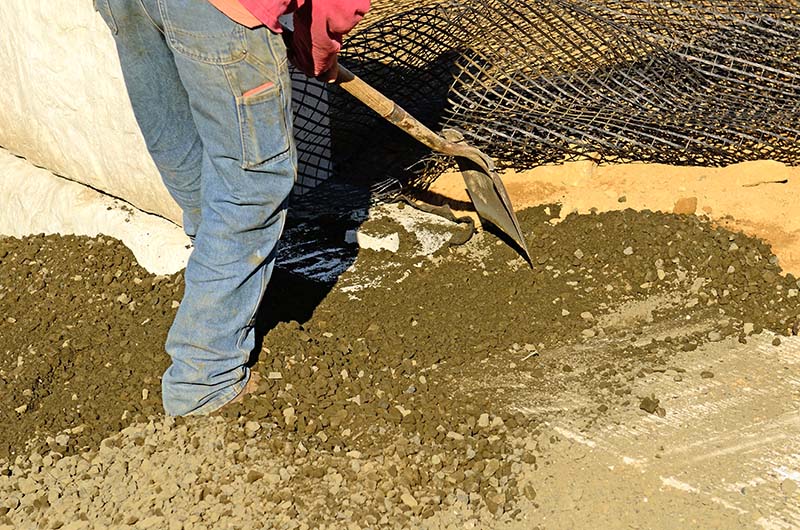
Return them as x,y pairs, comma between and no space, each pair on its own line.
102,7
262,125
199,31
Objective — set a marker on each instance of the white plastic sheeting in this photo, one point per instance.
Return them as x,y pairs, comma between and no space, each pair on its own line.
35,201
64,104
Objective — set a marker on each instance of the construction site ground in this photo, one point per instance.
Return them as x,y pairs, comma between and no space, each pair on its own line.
643,373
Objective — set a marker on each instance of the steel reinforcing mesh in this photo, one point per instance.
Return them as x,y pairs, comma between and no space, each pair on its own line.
546,81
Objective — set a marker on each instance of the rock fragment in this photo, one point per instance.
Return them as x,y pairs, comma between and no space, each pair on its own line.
251,428
409,500
649,404
685,206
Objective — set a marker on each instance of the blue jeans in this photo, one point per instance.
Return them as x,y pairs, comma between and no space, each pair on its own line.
213,101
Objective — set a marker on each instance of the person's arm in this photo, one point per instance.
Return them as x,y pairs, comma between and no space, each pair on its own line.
319,26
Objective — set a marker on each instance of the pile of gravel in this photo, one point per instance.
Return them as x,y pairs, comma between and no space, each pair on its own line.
190,474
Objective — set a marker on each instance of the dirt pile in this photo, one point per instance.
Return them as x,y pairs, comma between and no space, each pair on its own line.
440,375
81,340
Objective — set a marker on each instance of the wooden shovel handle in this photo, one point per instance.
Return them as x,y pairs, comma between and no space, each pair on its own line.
362,91
395,114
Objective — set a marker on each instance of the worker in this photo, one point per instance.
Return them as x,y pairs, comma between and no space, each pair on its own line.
209,84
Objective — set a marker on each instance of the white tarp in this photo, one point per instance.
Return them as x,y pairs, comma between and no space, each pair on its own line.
64,104
64,207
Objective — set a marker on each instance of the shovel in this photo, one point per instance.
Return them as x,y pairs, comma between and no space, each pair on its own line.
485,189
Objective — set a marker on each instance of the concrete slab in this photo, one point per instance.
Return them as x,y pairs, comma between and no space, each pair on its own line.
726,455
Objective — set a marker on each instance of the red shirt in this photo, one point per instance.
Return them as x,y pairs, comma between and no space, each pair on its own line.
318,25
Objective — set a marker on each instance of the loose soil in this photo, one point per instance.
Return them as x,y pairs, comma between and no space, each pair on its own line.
386,402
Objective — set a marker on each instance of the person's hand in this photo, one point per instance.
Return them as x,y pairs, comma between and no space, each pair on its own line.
331,74
319,26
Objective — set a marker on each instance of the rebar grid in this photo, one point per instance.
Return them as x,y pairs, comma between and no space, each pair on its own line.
682,82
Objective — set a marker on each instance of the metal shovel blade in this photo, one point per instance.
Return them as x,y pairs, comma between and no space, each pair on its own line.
487,192
485,188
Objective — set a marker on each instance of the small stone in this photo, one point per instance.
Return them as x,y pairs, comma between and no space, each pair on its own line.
275,375
62,440
628,251
705,374
649,404
529,492
491,468
588,333
715,336
483,421
358,498
578,254
251,428
685,206
409,500
145,394
124,299
622,198
21,409
788,487
453,435
776,341
175,304
748,328
253,476
27,486
586,315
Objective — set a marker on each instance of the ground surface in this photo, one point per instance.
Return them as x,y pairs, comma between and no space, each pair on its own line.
642,374
754,197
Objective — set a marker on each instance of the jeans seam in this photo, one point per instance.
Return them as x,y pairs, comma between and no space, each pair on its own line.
239,114
258,63
259,299
177,46
279,62
150,18
112,23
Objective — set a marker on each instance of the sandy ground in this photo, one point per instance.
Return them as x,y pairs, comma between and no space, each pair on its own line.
657,406
755,197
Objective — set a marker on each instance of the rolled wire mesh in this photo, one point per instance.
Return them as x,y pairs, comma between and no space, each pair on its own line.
535,82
